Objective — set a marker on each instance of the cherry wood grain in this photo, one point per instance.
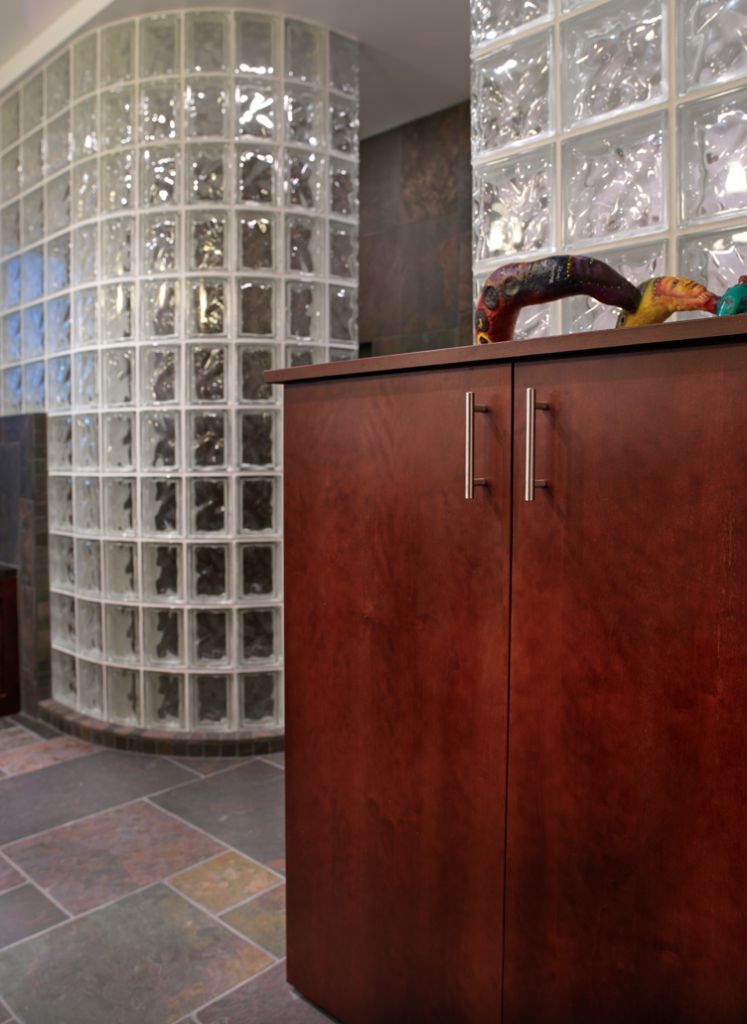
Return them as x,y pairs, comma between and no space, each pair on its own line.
397,658
626,897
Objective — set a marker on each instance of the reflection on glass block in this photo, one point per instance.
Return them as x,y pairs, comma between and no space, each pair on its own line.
58,263
717,259
162,635
207,41
534,322
118,370
303,178
58,203
343,183
256,430
493,18
117,111
343,313
124,700
257,631
58,84
86,317
713,157
303,240
58,324
207,164
64,685
259,704
510,94
33,387
117,49
32,106
159,374
159,45
163,701
33,331
32,220
159,440
161,572
207,234
60,494
343,125
343,63
119,450
256,106
86,442
116,308
614,182
303,310
257,570
91,687
159,241
58,143
122,639
121,569
10,225
10,123
712,41
161,507
210,636
89,627
303,116
85,66
208,307
255,44
12,282
209,572
257,505
208,374
61,562
33,275
119,506
208,505
117,238
343,249
85,251
117,179
88,565
159,104
86,504
255,235
12,390
12,337
205,106
256,307
303,51
10,174
210,701
256,175
612,60
86,190
62,620
253,361
208,439
60,442
59,382
159,308
159,175
512,206
85,133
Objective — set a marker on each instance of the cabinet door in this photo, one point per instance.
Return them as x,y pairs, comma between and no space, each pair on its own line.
627,780
397,659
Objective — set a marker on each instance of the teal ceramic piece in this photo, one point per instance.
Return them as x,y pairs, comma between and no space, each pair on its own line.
734,300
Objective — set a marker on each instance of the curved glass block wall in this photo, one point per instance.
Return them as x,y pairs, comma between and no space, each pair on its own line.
614,129
179,213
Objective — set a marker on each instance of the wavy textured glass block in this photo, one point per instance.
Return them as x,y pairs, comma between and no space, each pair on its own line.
12,337
257,634
343,64
162,572
717,258
58,263
87,504
253,362
64,682
120,561
89,628
257,505
62,620
160,308
117,112
10,174
90,687
32,105
207,374
510,94
10,119
118,372
57,80
208,307
159,175
33,331
614,182
86,317
85,129
205,107
59,382
255,44
210,636
32,275
117,51
512,206
299,355
160,237
257,439
10,225
159,108
159,369
85,65
612,60
207,241
712,41
117,243
208,505
123,695
34,390
86,190
12,390
256,172
209,572
60,492
58,203
256,307
58,324
12,282
303,51
88,565
162,635
85,253
119,506
494,18
117,181
164,706
210,701
303,178
159,439
119,441
58,143
159,45
161,508
122,637
259,703
256,107
86,378
343,249
60,442
257,563
116,312
303,244
86,451
32,217
256,235
206,165
304,116
61,562
344,125
343,313
713,157
207,439
303,310
207,41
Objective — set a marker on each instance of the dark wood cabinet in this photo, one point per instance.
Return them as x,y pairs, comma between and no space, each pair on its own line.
516,756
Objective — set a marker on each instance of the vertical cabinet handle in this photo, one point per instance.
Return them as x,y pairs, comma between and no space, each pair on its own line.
470,482
529,482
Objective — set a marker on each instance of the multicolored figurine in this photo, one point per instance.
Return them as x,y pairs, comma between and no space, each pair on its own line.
734,299
663,296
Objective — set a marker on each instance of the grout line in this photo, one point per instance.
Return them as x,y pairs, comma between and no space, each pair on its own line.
251,899
5,775
280,767
235,988
40,888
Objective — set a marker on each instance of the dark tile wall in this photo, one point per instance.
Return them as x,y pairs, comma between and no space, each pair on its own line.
415,245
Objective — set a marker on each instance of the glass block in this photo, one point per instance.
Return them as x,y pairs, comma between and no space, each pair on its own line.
717,258
303,178
87,504
64,684
161,511
159,105
116,312
60,495
159,175
86,442
33,331
256,246
256,312
256,175
256,106
209,565
59,382
10,174
32,217
614,182
257,564
119,506
12,337
160,242
10,119
123,696
10,225
117,241
494,18
257,629
255,44
300,355
86,190
343,185
88,565
86,317
58,203
89,628
58,324
12,282
33,275
207,241
32,103
85,129
58,143
162,572
117,50
208,440
208,306
12,390
34,387
210,700
120,560
62,620
259,698
713,157
159,308
208,504
303,310
511,94
159,46
257,432
159,368
343,313
210,636
91,687
60,442
85,253
118,371
159,440
711,41
343,64
253,362
117,112
122,636
205,107
61,562
208,374
303,244
343,125
303,51
535,322
86,378
58,263
343,249
117,181
258,505
207,167
58,84
512,206
164,704
119,441
612,60
162,635
85,66
304,116
207,41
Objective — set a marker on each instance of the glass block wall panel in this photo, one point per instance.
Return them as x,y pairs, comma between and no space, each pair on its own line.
614,129
178,214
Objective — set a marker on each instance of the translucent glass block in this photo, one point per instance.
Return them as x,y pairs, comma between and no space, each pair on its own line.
159,46
122,635
60,495
159,368
303,178
534,322
58,263
58,84
494,18
208,306
85,66
303,244
86,442
207,168
210,701
12,390
89,628
59,382
62,620
91,687
117,181
304,116
208,505
257,565
118,373
343,313
259,698
12,282
160,308
713,157
256,233
612,60
58,203
256,106
207,241
160,242
161,512
64,683
58,324
61,562
159,440
120,560
257,431
344,125
209,566
207,41
302,355
10,174
343,64
614,182
32,103
303,310
339,355
257,628
85,128
210,637
123,696
256,307
205,107
58,143
117,243
116,312
34,387
117,50
10,119
86,317
255,44
87,504
159,106
33,331
119,441
85,253
88,565
303,51
86,190
164,704
717,258
162,635
33,275
162,572
208,373
256,170
343,185
11,337
60,442
712,41
258,505
159,175
511,94
10,225
119,506
32,217
117,112
208,440
253,362
343,249
512,210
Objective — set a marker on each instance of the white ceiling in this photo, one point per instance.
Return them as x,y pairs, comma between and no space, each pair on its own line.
414,53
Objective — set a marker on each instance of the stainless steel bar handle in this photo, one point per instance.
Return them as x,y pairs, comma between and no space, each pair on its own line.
470,482
529,482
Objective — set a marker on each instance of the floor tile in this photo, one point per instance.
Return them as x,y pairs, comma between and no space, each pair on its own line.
47,732
262,920
170,958
243,807
223,881
210,765
25,911
53,796
267,999
44,753
9,877
91,862
15,737
278,759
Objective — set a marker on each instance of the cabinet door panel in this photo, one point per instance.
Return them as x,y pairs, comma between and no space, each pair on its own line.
397,658
627,782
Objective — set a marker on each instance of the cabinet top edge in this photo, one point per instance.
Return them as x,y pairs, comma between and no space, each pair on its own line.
723,329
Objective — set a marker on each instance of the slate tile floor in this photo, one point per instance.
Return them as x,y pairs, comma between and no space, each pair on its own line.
140,890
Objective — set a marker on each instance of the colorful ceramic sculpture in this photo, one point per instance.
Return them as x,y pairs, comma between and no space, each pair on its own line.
663,296
734,299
